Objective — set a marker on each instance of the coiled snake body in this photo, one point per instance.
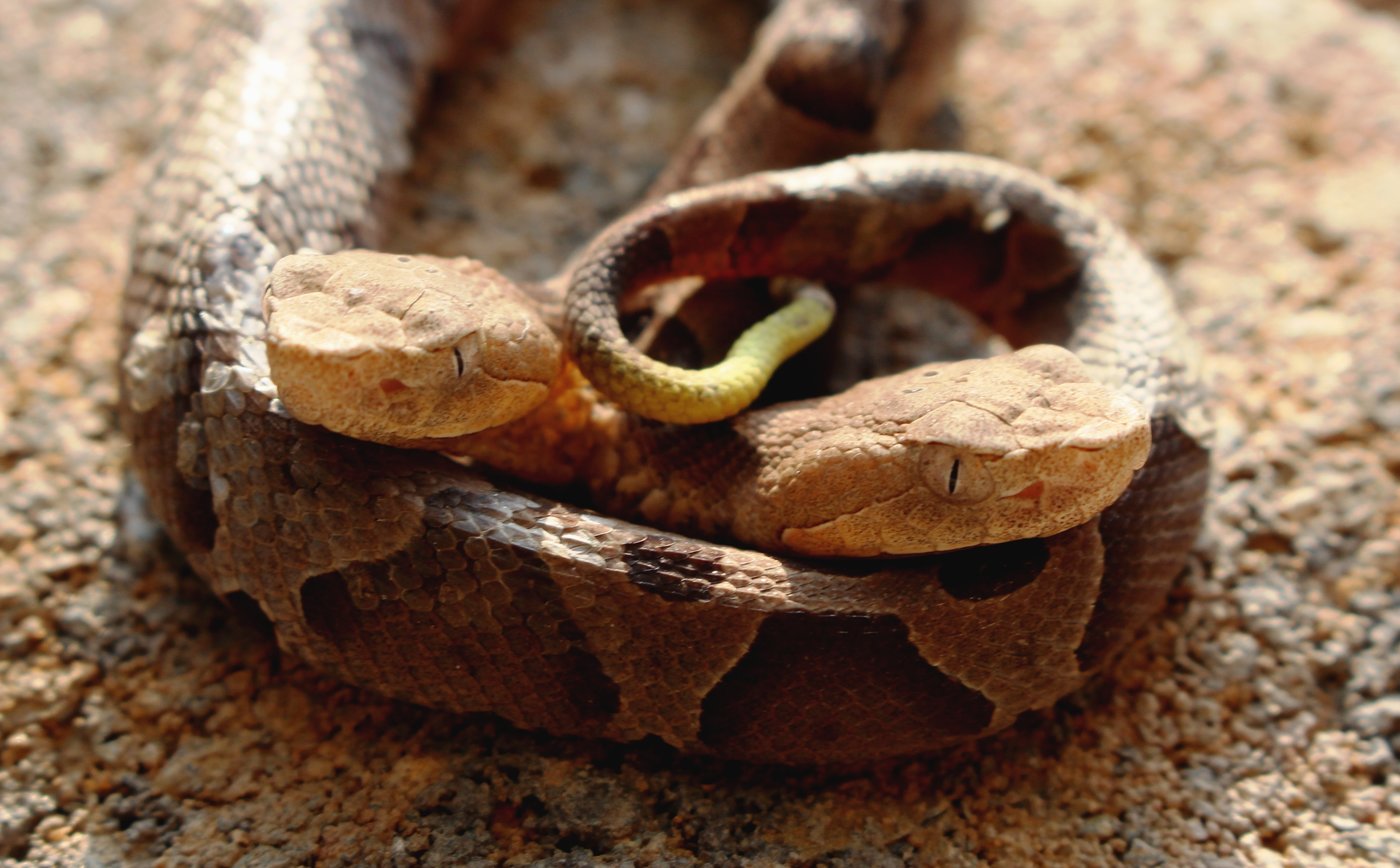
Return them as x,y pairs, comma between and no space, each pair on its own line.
404,572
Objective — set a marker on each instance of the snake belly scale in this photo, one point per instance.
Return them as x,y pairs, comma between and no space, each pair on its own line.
406,573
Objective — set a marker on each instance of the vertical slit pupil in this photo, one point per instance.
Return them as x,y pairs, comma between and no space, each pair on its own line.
953,476
461,363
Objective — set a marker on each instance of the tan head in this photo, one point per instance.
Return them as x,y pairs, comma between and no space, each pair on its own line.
396,348
954,455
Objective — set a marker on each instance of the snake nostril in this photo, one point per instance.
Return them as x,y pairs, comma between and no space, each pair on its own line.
1030,492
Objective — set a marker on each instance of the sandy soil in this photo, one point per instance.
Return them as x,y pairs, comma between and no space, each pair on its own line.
1254,148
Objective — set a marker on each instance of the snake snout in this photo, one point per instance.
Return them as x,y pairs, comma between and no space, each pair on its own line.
1097,420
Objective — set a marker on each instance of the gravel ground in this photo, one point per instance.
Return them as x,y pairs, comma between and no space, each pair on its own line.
1253,147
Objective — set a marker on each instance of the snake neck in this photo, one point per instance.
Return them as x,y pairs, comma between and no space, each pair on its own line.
556,444
685,476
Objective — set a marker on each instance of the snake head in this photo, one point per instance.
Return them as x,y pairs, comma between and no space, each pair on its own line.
969,453
398,349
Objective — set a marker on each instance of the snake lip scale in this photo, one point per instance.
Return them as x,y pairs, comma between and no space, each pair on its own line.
409,574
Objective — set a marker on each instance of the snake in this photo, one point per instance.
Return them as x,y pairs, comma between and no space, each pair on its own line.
451,586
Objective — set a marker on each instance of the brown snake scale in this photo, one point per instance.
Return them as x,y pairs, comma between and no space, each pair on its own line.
411,575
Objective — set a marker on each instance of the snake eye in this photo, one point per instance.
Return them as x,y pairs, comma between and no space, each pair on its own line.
955,475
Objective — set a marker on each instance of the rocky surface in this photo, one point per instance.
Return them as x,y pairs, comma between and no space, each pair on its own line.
1253,148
